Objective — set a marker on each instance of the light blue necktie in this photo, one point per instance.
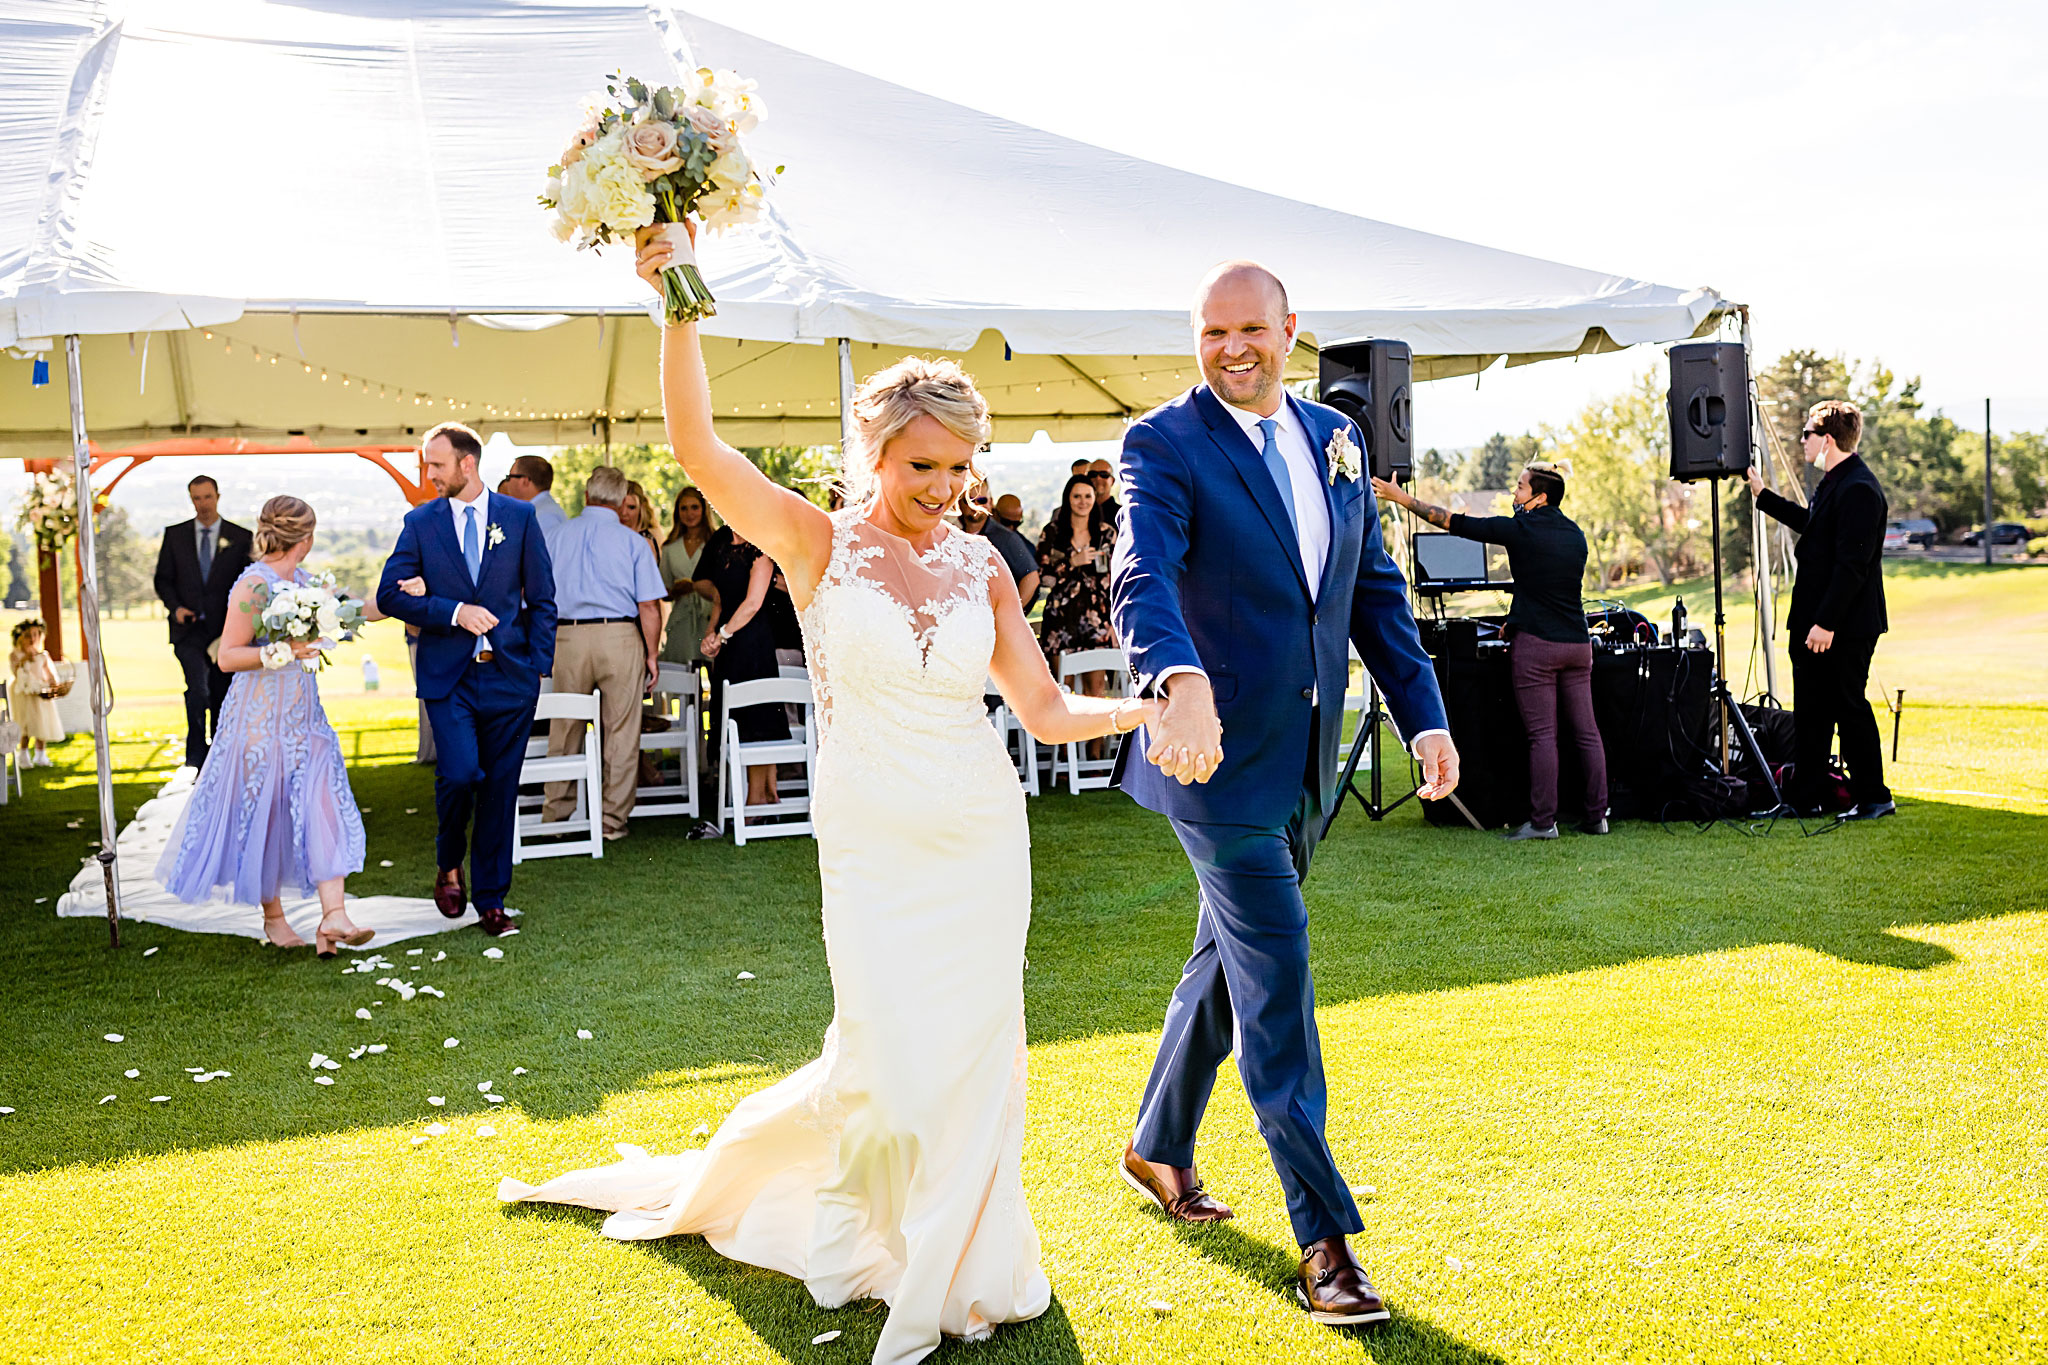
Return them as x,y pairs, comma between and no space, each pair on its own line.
1277,467
472,544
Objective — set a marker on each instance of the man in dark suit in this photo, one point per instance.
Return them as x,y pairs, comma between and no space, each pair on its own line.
196,568
1247,558
1837,611
487,637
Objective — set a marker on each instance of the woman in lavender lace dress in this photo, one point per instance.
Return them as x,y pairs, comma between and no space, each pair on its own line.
272,805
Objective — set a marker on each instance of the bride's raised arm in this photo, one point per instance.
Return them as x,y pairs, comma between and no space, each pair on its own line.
792,530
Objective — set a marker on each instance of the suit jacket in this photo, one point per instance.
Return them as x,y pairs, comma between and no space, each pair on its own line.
180,584
1207,572
516,584
1840,586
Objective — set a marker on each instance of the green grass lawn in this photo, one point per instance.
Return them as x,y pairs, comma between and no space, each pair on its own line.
1664,1096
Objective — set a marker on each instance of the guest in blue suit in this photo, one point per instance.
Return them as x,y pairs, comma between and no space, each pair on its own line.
1249,553
487,637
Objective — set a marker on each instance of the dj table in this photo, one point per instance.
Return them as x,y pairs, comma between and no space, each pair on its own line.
1651,701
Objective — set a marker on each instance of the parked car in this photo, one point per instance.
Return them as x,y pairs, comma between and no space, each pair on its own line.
1895,542
1920,531
2002,533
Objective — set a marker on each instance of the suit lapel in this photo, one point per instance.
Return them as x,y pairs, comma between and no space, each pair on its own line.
441,525
1250,465
483,564
1319,440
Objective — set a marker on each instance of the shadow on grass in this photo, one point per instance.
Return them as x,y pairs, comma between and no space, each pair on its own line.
1273,1269
781,1313
646,947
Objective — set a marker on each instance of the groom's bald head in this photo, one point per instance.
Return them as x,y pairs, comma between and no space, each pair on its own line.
1241,280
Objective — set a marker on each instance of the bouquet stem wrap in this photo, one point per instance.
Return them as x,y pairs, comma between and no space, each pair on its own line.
685,296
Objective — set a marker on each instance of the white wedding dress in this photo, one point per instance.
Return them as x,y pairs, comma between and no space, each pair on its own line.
888,1168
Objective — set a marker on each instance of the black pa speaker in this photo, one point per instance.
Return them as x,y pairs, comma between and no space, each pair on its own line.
1368,382
1709,410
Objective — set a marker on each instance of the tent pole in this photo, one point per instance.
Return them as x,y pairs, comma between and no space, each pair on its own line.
845,401
89,625
1759,529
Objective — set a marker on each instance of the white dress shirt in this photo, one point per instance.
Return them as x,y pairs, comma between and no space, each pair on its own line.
1311,505
477,509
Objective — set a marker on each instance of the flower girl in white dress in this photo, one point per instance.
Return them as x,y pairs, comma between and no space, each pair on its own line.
889,1167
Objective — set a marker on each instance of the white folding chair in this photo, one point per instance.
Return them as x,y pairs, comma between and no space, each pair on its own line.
586,770
676,684
798,725
10,741
764,822
1084,773
1355,702
1024,753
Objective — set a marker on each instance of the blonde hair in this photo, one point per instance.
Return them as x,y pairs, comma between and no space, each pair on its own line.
283,523
892,399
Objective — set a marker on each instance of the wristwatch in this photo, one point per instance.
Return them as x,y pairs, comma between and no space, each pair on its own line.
724,634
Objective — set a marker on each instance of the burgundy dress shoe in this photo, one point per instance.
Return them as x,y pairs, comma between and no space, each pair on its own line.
1334,1289
493,920
450,897
1184,1200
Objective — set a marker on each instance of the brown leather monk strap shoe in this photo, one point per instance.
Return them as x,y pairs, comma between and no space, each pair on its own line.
1334,1289
450,897
1184,1199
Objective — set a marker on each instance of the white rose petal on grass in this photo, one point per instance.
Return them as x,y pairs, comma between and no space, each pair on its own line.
323,1080
41,899
384,862
356,1052
5,1110
485,1130
482,1086
435,1129
414,952
194,1070
495,1099
701,1130
440,956
823,1337
1160,1306
151,952
494,952
451,1042
315,1060
131,1073
330,1065
412,810
362,1013
377,1047
583,1033
417,1141
1364,1191
106,1099
1456,1264
159,1099
519,1071
114,1037
437,994
437,1100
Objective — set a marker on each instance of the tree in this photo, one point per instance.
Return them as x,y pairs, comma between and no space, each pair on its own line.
127,566
1437,466
808,469
1493,467
1620,491
21,571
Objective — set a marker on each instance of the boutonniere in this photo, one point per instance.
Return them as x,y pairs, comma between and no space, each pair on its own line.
1342,456
494,535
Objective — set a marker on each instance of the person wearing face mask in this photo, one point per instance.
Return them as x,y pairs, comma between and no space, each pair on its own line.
1550,652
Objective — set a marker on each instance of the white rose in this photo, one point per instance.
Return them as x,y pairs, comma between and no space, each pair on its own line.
329,619
276,654
732,171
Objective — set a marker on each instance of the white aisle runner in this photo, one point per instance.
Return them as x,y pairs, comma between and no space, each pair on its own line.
141,844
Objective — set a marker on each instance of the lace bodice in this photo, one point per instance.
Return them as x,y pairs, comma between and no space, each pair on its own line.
898,637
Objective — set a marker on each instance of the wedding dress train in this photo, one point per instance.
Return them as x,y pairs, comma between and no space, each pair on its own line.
888,1168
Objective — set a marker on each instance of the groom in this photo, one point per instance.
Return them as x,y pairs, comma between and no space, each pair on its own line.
1248,552
487,636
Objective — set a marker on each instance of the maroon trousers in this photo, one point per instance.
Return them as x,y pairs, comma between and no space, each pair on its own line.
1553,679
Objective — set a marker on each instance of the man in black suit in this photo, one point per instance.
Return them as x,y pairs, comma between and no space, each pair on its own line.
195,570
1837,611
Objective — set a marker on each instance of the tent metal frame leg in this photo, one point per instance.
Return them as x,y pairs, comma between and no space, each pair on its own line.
89,625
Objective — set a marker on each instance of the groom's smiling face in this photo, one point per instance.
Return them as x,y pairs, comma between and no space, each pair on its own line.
1243,333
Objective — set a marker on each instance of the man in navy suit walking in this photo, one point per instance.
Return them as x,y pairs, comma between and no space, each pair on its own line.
487,637
1248,554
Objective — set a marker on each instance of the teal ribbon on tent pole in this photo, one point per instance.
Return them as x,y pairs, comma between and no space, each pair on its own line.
89,625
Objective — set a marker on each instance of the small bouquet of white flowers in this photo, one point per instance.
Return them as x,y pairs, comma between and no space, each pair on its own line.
660,155
315,613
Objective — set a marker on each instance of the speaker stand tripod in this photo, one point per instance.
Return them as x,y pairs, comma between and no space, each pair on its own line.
1731,713
1365,747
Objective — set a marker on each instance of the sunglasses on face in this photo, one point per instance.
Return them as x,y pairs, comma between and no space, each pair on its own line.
1805,432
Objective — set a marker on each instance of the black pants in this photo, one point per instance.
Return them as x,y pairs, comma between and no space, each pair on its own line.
206,687
1828,695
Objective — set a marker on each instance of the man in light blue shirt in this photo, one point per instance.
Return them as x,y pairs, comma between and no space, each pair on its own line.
608,596
529,481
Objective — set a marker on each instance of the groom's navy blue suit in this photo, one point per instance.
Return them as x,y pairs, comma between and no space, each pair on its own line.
481,711
1208,574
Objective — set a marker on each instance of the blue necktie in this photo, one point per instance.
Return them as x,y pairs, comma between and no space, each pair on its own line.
205,553
472,544
1277,467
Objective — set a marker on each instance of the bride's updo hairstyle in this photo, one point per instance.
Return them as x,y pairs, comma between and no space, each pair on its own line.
892,399
283,523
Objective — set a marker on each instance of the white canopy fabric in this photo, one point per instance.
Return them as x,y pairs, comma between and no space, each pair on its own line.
347,188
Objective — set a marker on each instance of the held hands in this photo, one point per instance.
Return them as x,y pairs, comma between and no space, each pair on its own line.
655,253
1187,737
1439,759
710,644
474,619
303,649
1820,640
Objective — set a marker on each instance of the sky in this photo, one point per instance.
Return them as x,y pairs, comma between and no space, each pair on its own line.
1868,177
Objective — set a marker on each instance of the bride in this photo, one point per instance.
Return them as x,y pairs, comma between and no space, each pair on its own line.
889,1168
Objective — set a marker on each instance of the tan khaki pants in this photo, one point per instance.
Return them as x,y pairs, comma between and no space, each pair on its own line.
611,660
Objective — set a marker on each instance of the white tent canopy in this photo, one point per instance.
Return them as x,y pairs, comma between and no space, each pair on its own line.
251,207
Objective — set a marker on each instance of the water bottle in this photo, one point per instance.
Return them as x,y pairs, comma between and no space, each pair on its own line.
370,678
1678,622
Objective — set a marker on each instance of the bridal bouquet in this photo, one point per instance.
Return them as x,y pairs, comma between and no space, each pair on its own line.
315,613
660,155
